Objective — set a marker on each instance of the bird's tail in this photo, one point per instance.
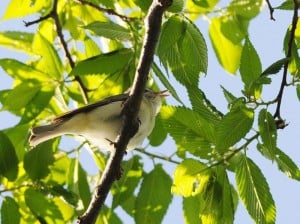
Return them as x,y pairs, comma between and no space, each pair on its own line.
43,133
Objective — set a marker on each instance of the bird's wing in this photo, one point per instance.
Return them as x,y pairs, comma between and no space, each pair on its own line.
87,108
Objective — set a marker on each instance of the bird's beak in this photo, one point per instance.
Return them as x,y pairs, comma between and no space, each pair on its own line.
162,93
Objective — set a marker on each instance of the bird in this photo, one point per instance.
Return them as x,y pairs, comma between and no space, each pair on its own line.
100,122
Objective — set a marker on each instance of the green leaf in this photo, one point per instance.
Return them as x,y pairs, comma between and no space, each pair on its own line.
154,197
38,160
38,103
275,67
107,215
191,209
109,63
190,178
109,30
250,67
49,62
177,6
158,134
10,211
255,193
287,165
229,96
233,127
228,53
190,131
184,52
41,207
123,190
8,158
203,106
17,40
20,8
21,71
268,131
18,136
298,91
284,162
287,5
232,28
165,82
21,96
77,182
246,8
218,201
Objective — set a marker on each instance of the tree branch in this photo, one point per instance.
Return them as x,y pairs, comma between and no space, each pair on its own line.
130,110
165,158
271,9
108,11
285,68
53,14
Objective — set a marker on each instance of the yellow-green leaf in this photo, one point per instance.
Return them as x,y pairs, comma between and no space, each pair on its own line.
228,53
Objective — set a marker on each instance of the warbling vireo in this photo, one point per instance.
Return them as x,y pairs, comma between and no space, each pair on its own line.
101,122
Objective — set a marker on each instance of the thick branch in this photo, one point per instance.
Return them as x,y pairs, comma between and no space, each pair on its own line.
130,111
288,55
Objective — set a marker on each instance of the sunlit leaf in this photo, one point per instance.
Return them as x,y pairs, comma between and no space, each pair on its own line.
154,197
20,8
17,40
107,215
8,158
254,192
109,30
190,131
10,211
246,8
109,63
218,201
42,208
50,61
227,52
190,178
233,127
21,71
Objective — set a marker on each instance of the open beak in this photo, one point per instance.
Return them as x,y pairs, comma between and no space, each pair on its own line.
163,93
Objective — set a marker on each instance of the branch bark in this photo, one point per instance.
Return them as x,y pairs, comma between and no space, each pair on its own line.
130,110
280,122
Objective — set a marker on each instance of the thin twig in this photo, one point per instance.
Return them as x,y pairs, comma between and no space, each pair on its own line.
288,55
42,18
271,9
53,14
230,155
108,11
165,158
130,110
